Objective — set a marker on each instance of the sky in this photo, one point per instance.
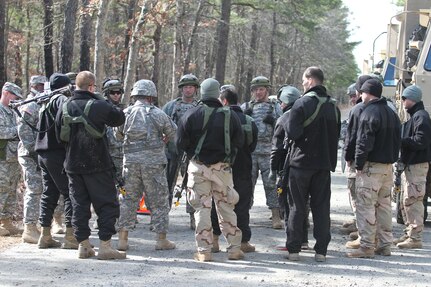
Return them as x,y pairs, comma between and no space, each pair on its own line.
369,18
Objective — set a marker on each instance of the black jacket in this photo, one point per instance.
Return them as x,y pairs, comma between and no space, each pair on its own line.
279,141
378,137
84,153
352,129
243,163
314,146
213,149
416,137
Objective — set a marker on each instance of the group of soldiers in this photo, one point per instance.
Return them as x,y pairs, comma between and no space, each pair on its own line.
101,156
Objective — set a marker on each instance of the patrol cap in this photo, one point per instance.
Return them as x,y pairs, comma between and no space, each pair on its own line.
57,81
12,88
361,80
144,88
34,80
288,94
372,87
413,93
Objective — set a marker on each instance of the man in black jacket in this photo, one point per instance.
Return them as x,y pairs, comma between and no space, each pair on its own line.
81,124
210,134
314,127
241,173
377,147
415,156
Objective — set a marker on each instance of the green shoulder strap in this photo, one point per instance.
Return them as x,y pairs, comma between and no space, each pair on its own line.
321,101
248,130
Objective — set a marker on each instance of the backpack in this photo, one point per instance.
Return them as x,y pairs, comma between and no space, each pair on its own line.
321,101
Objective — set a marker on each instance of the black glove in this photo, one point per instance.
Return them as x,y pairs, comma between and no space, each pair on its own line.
248,111
272,175
269,119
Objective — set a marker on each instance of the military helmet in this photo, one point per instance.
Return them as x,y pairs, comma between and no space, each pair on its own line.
72,77
260,81
351,90
288,94
112,85
188,80
144,88
227,87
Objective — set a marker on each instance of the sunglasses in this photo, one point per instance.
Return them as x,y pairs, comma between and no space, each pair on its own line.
115,92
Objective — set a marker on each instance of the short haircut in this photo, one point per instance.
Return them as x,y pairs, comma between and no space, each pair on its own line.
230,96
315,73
84,80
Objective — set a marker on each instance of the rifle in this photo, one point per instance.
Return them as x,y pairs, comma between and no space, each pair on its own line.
39,99
179,188
283,175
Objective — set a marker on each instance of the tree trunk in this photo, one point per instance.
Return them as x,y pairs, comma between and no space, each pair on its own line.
28,45
48,37
272,47
156,54
3,39
130,14
186,68
176,61
18,65
66,51
133,51
99,51
84,59
251,59
223,36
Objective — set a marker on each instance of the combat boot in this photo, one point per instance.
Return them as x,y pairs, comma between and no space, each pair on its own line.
57,224
354,235
354,244
384,251
203,256
192,221
246,247
106,252
46,240
410,243
85,250
293,256
236,254
123,238
319,257
349,222
31,234
69,241
361,253
276,220
163,244
401,239
348,229
9,226
216,246
4,231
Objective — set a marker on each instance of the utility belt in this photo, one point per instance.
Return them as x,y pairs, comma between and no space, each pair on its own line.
140,146
9,149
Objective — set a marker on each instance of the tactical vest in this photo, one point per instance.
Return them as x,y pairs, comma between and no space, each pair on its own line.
321,101
67,120
207,113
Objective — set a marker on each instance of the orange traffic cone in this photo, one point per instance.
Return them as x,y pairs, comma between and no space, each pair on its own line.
142,207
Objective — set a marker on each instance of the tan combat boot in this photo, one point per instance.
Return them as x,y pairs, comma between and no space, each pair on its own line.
106,252
85,250
361,253
276,220
410,243
236,254
31,234
401,239
123,239
203,256
57,224
9,226
162,243
246,247
354,244
3,231
69,241
46,240
216,246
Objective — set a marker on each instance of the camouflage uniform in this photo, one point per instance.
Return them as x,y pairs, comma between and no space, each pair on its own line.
27,158
144,165
261,155
115,150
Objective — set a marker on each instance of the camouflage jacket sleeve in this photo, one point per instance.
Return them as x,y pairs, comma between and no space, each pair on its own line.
169,127
8,129
30,115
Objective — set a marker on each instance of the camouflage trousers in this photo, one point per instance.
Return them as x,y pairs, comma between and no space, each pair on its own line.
262,162
151,179
206,183
373,204
9,177
33,188
414,180
351,185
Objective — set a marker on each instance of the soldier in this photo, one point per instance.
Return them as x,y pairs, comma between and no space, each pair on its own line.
415,157
9,167
81,124
264,113
313,124
377,147
241,173
27,158
51,155
145,131
175,109
210,176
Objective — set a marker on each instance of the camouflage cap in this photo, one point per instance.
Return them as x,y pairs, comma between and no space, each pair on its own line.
12,88
38,79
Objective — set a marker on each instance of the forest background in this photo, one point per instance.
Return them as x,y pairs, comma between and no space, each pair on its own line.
230,40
